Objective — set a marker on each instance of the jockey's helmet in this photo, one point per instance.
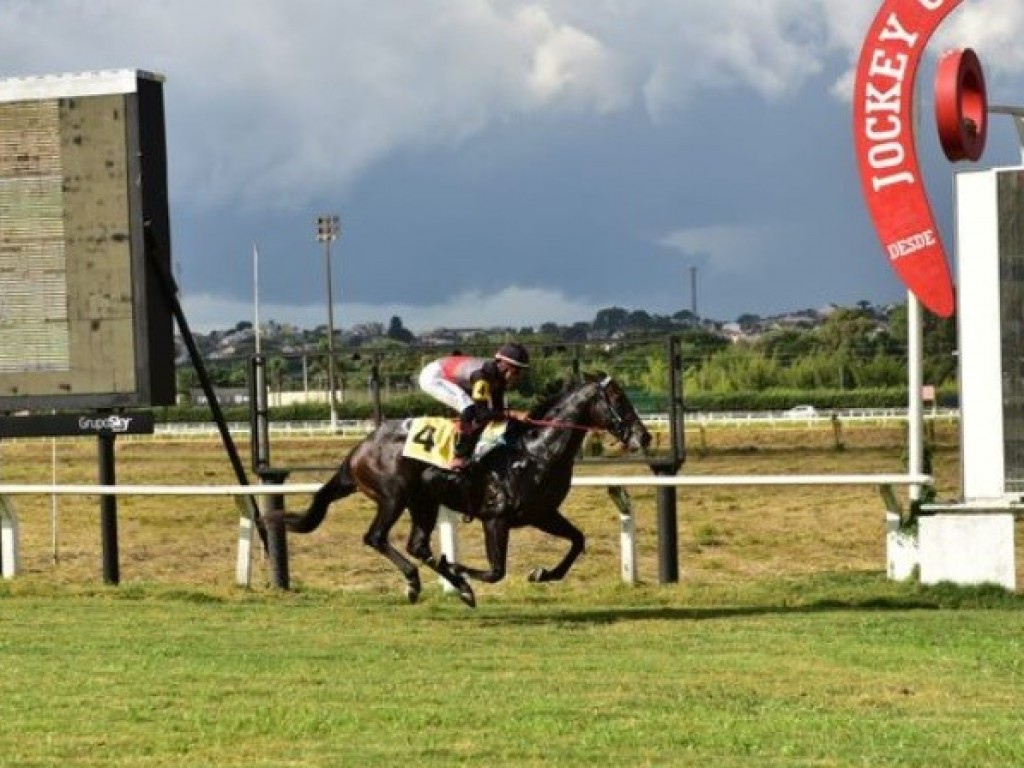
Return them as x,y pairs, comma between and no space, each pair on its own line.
513,354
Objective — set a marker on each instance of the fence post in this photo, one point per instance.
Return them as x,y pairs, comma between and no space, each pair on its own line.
448,538
277,536
627,532
108,510
9,564
668,536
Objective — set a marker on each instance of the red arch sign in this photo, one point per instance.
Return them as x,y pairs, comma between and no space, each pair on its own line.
883,116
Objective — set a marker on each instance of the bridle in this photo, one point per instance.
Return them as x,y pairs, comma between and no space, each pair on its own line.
619,427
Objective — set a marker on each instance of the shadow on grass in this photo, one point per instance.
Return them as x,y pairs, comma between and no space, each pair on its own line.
911,597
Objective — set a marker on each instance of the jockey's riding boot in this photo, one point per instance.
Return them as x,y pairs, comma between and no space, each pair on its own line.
465,441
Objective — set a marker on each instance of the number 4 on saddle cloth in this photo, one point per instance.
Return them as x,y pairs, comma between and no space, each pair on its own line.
432,440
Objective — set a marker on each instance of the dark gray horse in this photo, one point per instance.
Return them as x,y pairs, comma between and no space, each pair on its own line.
520,483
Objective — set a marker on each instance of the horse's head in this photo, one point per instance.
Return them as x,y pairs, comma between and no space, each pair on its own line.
612,410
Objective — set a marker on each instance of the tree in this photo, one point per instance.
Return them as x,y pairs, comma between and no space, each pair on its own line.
398,332
611,319
939,343
850,329
701,343
577,332
186,379
639,320
685,317
785,345
276,369
748,321
367,330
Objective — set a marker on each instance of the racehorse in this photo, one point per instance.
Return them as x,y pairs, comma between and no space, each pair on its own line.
522,482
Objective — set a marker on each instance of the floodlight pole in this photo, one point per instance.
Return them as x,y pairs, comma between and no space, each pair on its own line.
327,230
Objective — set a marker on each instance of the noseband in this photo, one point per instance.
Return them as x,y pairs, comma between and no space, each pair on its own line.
619,427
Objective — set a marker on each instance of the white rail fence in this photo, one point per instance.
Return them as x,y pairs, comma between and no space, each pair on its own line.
780,419
9,545
617,485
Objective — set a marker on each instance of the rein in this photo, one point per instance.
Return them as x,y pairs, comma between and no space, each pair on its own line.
569,425
560,425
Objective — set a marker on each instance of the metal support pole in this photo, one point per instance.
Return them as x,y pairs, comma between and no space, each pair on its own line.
378,411
668,535
331,384
1017,113
677,405
668,528
108,511
271,507
260,414
277,537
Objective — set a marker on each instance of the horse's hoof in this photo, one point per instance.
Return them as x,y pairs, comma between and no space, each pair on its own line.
413,587
466,595
538,575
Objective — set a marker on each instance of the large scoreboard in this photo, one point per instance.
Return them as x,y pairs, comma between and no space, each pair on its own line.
84,237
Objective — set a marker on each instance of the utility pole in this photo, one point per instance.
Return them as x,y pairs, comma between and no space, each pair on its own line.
693,292
327,230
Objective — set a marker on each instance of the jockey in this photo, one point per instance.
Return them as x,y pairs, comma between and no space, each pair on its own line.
475,387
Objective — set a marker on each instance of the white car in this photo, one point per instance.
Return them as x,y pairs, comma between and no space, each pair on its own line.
802,412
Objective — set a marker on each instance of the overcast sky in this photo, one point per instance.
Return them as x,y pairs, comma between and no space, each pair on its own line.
513,162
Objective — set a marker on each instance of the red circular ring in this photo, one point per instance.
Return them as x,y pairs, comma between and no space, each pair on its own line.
961,105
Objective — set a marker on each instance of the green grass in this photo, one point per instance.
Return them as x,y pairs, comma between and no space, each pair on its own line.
823,670
783,645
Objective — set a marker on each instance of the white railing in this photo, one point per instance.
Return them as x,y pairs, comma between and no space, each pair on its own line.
361,427
9,556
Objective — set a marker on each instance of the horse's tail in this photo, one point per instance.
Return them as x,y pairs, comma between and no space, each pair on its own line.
338,487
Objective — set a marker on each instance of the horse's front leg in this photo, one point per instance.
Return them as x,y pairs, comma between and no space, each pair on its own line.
424,518
496,531
556,524
453,573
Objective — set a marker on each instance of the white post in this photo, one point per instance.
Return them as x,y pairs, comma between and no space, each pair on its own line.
627,532
243,565
9,563
448,540
627,542
915,404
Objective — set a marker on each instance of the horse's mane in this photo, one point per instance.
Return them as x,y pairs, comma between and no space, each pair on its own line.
564,389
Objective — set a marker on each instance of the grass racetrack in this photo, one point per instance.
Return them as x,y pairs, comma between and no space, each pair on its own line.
782,645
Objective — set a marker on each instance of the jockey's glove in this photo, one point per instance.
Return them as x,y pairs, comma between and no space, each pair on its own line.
478,413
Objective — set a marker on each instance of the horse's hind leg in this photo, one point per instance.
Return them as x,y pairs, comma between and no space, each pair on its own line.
377,537
556,524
